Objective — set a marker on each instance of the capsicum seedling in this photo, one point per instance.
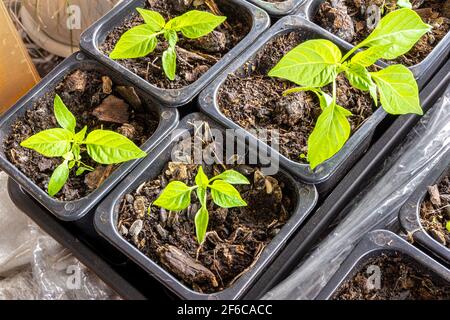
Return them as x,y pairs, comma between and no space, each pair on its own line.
103,146
177,196
141,40
317,63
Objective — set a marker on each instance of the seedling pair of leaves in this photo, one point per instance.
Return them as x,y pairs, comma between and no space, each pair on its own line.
142,40
103,146
177,196
317,63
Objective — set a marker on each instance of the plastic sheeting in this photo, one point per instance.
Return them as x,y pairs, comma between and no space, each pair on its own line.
377,206
34,266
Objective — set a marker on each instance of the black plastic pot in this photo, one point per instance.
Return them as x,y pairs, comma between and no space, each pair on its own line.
93,37
329,173
410,213
278,9
375,244
74,210
107,214
422,71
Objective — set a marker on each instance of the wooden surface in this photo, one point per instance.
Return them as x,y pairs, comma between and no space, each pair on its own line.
17,72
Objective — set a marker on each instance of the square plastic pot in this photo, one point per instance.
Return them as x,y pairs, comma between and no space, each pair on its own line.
375,244
93,37
106,218
279,9
74,210
331,171
422,71
410,213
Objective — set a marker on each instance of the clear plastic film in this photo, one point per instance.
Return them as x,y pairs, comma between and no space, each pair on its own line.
377,205
34,266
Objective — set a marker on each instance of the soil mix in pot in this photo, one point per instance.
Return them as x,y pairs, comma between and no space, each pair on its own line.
255,101
400,280
96,103
235,239
435,211
194,56
347,19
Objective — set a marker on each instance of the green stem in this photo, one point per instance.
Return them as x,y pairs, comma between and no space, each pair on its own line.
334,92
349,53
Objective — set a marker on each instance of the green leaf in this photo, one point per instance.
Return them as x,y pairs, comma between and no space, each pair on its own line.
69,156
169,62
50,143
175,197
313,63
448,226
399,30
398,90
58,179
152,18
201,179
404,4
64,117
76,150
82,170
201,195
79,137
232,177
369,56
360,78
108,147
171,37
201,224
135,43
225,195
195,24
331,132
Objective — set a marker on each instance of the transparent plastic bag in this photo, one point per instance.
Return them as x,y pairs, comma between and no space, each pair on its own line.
377,205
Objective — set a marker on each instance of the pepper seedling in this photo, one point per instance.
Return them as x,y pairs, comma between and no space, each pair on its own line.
317,63
177,196
103,146
141,40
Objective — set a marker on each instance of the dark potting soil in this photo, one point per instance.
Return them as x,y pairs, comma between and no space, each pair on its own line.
235,239
347,20
435,211
255,101
400,280
194,57
95,101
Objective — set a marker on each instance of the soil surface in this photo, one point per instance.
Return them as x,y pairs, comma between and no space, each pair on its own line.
194,57
435,211
401,279
235,239
348,20
255,101
96,103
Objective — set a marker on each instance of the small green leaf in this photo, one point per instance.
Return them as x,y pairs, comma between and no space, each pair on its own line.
448,226
79,137
195,24
72,164
201,179
135,43
398,90
58,179
313,63
201,224
76,150
171,37
175,197
64,117
404,4
360,78
109,147
50,143
399,30
225,195
331,132
232,177
201,195
69,156
169,63
82,170
369,56
152,18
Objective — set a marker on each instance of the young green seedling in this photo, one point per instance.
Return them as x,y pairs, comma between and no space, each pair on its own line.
103,146
317,63
177,196
141,40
